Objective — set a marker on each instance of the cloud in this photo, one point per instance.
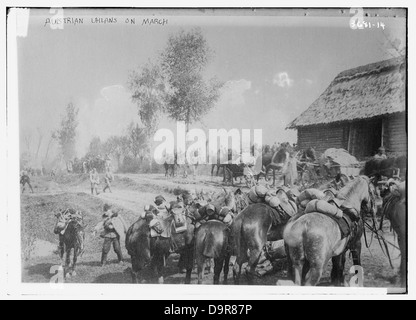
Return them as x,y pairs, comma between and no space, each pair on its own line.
283,80
108,115
309,81
107,92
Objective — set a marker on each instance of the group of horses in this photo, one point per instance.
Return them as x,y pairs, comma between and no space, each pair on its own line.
311,239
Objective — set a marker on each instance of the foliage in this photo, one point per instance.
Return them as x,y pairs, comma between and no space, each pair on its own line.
66,135
175,84
184,61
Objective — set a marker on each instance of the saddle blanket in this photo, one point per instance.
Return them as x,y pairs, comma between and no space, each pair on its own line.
345,225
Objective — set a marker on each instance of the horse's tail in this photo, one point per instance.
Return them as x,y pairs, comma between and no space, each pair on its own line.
294,234
209,245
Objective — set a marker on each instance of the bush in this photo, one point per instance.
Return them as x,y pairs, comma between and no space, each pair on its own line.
130,165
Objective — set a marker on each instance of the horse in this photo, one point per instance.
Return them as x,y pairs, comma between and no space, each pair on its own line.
394,209
250,231
70,228
212,242
315,238
385,167
145,249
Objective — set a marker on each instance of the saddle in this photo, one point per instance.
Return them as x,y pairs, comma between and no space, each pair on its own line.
346,218
162,227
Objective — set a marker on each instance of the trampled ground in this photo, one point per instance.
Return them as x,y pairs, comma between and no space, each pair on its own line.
130,194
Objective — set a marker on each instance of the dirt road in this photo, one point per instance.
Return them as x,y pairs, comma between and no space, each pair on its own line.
130,194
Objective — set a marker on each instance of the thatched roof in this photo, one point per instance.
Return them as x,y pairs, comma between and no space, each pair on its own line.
361,93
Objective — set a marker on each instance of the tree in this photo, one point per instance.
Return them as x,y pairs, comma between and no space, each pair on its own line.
184,61
96,147
117,146
138,138
66,135
149,91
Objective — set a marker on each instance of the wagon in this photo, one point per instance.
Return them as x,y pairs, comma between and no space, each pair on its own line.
334,163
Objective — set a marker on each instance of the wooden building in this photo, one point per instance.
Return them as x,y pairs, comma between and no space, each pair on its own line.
361,110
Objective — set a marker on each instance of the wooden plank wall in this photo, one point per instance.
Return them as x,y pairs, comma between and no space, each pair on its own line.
395,135
323,137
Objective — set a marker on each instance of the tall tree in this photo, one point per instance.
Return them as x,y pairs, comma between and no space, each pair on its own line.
66,134
149,91
138,140
184,61
95,148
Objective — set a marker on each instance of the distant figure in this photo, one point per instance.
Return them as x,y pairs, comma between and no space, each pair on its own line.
95,181
107,162
25,179
84,167
381,154
107,180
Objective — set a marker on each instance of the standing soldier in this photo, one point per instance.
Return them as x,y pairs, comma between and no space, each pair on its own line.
113,227
95,181
108,179
25,179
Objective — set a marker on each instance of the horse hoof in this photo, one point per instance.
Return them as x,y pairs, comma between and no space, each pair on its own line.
160,280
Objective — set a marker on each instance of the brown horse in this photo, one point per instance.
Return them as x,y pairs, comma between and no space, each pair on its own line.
145,249
71,237
251,230
212,242
315,238
394,209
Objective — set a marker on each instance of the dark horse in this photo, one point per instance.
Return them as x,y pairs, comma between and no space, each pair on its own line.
71,236
394,209
315,238
144,249
251,230
212,242
385,167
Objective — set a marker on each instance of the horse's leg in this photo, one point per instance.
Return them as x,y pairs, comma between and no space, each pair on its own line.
337,274
200,261
189,263
135,269
315,274
67,262
226,267
252,263
290,269
403,261
238,265
74,262
356,252
219,262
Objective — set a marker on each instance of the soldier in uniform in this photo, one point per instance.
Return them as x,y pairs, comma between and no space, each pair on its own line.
95,181
111,233
25,179
108,179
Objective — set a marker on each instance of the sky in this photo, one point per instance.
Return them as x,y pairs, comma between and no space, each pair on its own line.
274,66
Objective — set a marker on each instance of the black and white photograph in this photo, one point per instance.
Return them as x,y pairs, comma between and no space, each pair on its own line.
210,147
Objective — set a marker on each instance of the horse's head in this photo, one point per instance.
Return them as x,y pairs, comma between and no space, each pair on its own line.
370,197
63,217
226,199
177,211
